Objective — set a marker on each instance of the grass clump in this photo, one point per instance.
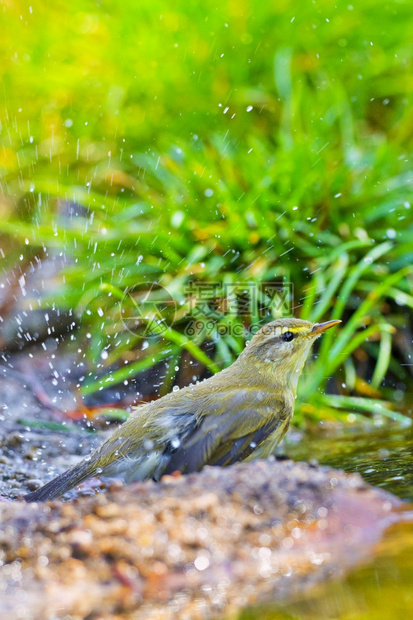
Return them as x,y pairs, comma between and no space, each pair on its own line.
233,144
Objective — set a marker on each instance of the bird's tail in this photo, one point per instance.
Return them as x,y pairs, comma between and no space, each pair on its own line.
63,483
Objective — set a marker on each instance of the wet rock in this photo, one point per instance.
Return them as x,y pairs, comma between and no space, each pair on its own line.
25,287
197,546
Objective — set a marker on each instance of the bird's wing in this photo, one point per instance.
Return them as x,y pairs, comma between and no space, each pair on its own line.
224,439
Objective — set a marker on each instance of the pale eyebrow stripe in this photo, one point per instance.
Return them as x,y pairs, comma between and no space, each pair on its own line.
294,329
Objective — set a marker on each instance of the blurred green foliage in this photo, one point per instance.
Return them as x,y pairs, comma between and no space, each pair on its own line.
238,141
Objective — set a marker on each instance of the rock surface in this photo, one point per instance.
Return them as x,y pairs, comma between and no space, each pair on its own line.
198,546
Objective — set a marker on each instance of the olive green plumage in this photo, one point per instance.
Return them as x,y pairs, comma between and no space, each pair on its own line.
239,414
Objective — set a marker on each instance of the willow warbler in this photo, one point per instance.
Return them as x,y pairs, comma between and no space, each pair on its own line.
238,414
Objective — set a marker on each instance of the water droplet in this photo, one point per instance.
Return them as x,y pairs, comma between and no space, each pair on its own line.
201,562
391,233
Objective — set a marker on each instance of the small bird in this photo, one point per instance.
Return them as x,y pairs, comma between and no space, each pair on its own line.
239,414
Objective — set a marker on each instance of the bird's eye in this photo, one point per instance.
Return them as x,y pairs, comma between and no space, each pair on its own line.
287,336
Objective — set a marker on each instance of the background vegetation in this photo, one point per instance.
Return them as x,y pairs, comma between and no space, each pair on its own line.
233,142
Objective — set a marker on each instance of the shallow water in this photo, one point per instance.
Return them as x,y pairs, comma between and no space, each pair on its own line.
383,457
382,588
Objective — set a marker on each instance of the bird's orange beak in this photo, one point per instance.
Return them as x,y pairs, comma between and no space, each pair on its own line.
320,328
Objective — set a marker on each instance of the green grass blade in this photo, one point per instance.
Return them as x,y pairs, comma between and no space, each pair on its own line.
383,359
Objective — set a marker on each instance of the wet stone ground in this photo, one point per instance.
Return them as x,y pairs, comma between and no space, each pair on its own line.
200,546
37,441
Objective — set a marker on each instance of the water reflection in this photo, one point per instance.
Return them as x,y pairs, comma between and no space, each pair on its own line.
383,457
